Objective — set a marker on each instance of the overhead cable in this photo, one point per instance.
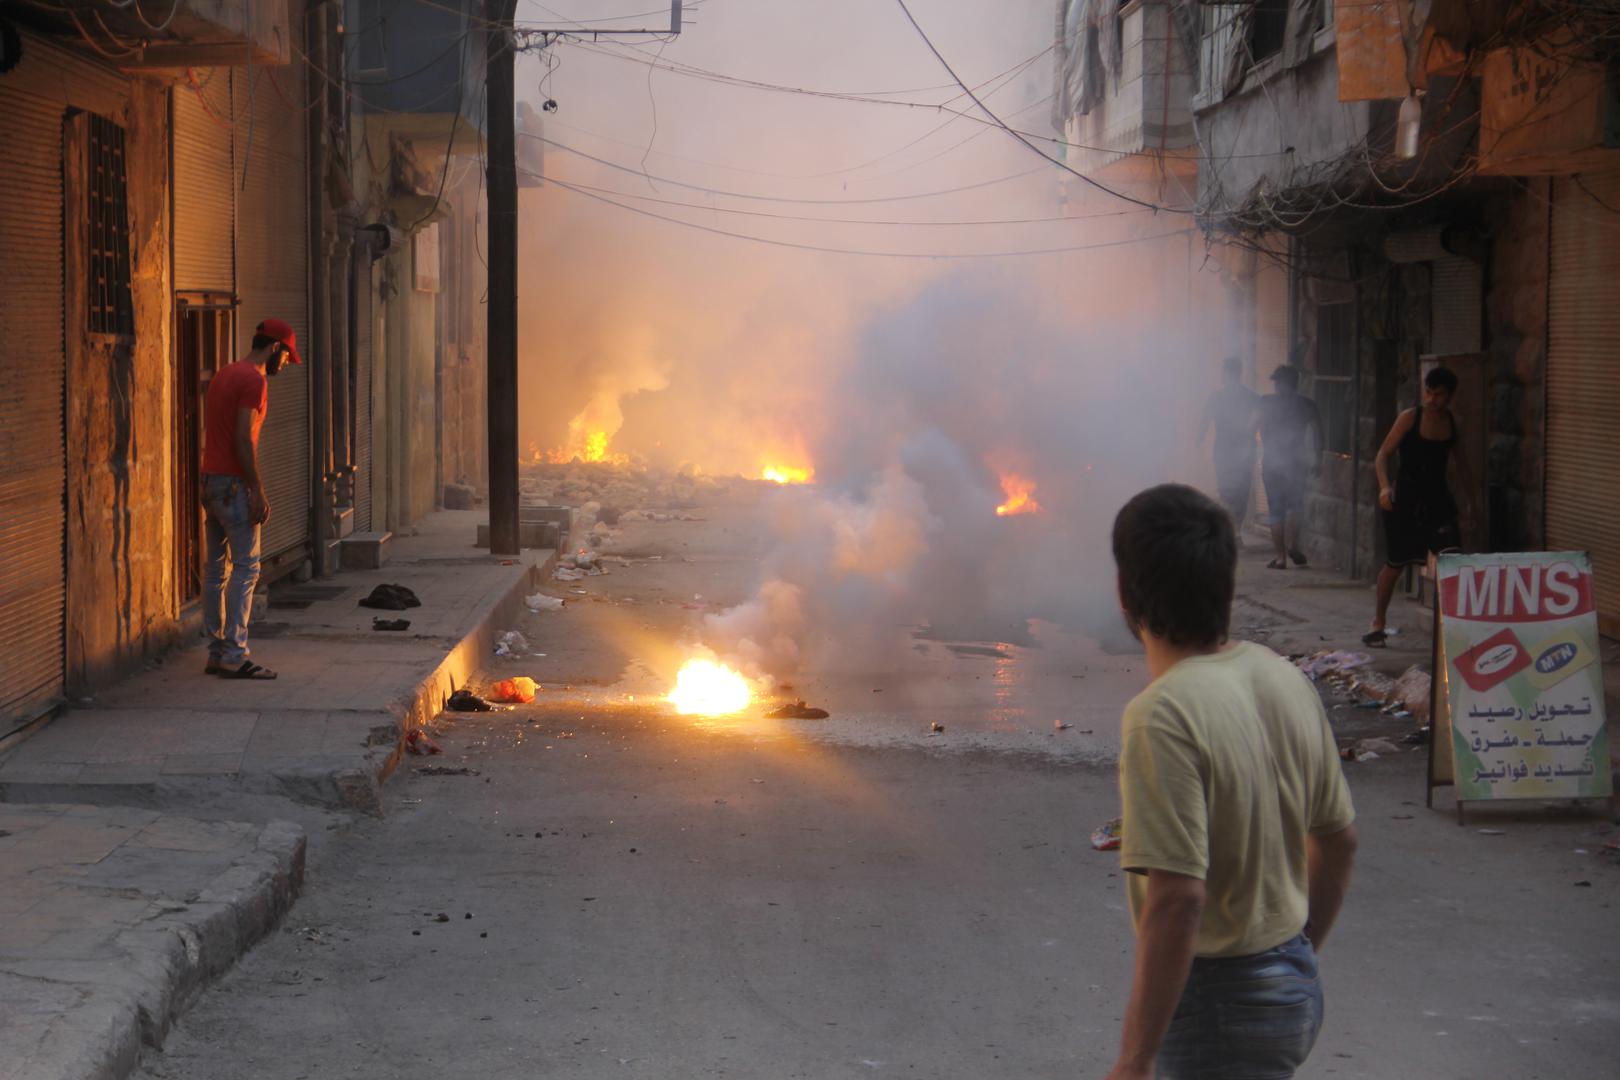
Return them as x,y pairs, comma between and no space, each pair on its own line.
781,198
875,254
1019,135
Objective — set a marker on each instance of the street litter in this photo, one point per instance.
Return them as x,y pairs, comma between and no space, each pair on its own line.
541,602
797,710
1330,661
1106,836
391,598
465,700
511,643
380,623
519,689
418,743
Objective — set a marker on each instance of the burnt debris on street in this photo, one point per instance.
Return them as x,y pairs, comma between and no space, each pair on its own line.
926,536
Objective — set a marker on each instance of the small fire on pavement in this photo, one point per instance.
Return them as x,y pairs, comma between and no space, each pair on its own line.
709,688
1020,493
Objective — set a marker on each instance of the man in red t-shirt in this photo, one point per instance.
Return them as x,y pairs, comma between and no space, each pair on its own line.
234,503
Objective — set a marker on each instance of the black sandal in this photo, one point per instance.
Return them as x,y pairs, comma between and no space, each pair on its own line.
248,670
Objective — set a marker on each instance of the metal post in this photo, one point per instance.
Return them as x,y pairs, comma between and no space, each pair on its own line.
501,384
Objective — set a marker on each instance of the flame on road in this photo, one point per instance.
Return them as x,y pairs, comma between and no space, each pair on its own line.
708,688
1020,493
787,474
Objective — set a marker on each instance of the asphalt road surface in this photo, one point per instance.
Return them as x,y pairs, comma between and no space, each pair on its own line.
610,890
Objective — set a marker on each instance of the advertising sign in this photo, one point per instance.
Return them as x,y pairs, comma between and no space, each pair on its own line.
1522,685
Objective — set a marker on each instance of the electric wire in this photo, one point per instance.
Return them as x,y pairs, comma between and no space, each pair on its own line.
854,251
781,198
1017,135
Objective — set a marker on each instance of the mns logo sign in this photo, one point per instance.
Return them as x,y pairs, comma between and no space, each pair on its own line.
1534,592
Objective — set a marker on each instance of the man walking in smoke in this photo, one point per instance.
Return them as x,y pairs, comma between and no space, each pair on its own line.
233,496
1237,830
1231,411
1291,445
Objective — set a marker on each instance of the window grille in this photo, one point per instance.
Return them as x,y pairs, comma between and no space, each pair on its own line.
1332,382
112,311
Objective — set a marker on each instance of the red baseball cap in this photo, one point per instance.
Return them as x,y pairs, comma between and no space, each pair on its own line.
282,331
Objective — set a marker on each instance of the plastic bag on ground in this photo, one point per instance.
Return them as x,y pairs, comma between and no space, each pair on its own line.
519,690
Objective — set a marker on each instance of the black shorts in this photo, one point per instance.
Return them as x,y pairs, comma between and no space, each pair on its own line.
1411,536
1285,491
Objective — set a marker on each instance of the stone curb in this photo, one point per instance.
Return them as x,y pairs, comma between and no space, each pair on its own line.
464,661
162,966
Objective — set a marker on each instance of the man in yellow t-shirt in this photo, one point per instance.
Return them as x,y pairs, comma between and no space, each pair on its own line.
1237,825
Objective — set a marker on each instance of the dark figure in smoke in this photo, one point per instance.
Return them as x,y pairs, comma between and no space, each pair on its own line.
1420,516
1231,411
1291,436
1237,832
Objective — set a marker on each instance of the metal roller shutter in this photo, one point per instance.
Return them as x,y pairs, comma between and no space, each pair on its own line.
204,196
273,281
1583,373
34,99
362,399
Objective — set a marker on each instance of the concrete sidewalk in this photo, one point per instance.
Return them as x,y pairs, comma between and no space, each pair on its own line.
329,730
113,919
1307,610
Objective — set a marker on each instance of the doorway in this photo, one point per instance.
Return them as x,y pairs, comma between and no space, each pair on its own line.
205,328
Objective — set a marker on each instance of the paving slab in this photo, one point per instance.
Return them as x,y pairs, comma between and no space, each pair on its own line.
329,730
112,919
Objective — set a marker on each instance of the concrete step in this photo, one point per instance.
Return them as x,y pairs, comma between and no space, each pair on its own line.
365,550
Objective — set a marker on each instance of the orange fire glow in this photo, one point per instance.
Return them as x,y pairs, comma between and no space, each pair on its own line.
707,688
592,446
1020,493
787,474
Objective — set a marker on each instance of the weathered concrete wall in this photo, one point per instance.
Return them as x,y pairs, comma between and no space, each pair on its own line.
120,529
1516,358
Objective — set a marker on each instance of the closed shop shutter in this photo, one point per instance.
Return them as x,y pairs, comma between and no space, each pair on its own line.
34,99
362,398
1583,372
204,196
273,282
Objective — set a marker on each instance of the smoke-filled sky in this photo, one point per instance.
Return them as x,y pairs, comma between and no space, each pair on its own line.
912,385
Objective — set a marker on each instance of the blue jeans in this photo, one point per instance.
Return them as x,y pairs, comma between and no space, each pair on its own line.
1246,1017
229,533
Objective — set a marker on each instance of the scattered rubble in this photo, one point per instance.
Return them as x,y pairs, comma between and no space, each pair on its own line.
511,643
391,598
1106,837
465,700
418,743
797,710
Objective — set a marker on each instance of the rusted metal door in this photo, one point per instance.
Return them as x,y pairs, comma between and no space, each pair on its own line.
1583,373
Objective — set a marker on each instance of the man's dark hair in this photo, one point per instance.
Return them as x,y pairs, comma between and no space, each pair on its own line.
261,340
1441,378
1177,556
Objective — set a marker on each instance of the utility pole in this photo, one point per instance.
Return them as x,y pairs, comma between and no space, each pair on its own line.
502,377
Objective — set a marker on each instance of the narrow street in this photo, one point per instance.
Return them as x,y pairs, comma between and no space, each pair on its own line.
590,886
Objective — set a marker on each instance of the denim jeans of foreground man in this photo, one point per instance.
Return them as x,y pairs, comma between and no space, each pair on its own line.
230,533
1246,1017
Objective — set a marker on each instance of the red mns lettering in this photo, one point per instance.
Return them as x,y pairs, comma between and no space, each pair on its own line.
1528,593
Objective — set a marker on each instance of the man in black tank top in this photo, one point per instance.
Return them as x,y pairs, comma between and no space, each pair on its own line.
1420,515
